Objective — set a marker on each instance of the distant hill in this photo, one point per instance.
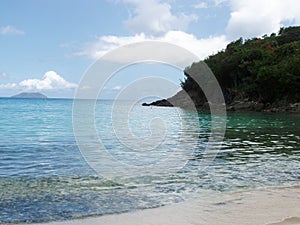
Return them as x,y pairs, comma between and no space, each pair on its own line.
29,95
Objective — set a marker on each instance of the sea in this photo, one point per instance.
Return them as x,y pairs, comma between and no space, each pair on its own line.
46,175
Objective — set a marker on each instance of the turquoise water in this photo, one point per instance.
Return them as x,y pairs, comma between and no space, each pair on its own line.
44,177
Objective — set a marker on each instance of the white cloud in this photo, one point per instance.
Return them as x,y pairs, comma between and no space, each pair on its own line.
219,2
5,30
8,86
103,44
259,17
50,81
117,88
155,18
200,47
201,5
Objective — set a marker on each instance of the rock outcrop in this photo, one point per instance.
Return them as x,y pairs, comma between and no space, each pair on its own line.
183,100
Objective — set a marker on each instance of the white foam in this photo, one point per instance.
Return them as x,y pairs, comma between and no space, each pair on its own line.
270,206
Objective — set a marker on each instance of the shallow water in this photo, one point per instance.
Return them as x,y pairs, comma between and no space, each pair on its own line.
44,177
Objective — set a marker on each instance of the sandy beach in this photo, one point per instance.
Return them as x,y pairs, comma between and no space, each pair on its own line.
270,206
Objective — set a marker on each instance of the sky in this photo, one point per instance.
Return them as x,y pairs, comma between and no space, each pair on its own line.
47,46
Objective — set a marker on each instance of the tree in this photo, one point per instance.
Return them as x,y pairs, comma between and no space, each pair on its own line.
262,69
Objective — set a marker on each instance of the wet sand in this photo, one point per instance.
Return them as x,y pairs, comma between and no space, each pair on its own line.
270,206
288,221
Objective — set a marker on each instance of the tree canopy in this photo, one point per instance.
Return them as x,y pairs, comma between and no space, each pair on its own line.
265,69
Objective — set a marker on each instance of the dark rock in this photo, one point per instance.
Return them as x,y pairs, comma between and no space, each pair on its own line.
295,107
258,106
162,102
181,99
243,106
246,105
206,106
191,100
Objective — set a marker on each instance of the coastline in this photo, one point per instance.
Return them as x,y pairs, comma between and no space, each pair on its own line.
268,206
181,100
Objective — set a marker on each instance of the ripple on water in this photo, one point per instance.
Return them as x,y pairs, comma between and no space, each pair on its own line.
44,177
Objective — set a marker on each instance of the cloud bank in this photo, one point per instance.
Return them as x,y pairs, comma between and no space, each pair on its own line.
155,20
200,47
259,17
51,81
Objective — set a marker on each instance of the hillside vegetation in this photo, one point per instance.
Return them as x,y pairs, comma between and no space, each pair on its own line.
264,70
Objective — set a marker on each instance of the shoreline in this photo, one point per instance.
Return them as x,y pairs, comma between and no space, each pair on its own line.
182,100
268,206
237,107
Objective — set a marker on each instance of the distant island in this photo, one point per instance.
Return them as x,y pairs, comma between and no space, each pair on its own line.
29,95
258,74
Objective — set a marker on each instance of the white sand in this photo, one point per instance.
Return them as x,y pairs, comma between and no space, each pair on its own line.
273,206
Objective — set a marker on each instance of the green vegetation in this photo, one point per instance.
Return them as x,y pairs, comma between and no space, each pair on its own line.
265,70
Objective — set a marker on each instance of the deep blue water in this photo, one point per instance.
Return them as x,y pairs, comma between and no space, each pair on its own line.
44,177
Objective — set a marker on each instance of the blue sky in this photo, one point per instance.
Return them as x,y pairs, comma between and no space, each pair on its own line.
48,45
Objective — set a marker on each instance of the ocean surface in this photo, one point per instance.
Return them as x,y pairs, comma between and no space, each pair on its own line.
44,176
